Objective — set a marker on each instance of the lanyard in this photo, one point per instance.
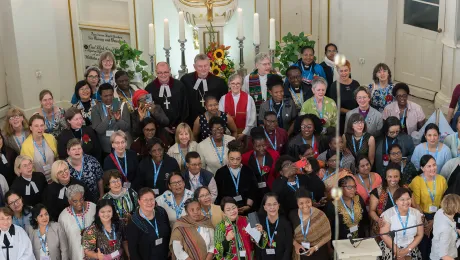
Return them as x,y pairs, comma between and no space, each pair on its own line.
298,100
182,155
271,237
82,219
278,113
108,235
49,125
178,208
24,137
106,114
268,138
312,142
391,198
403,117
258,165
436,154
148,221
364,186
192,184
236,181
127,99
326,176
322,108
351,211
119,206
400,220
305,232
19,222
296,183
206,214
103,77
43,147
432,194
80,173
43,241
360,144
156,172
221,155
125,171
303,69
386,144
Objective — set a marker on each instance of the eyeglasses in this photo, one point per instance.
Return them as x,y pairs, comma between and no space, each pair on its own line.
218,129
331,51
93,77
15,117
362,98
307,127
271,121
289,164
120,143
115,181
63,172
271,205
358,123
195,164
149,129
393,132
402,96
147,200
350,187
162,73
208,195
107,61
78,201
16,202
176,184
235,84
396,153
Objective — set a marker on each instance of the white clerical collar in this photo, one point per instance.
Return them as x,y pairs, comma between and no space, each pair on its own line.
263,77
163,88
197,84
27,179
236,95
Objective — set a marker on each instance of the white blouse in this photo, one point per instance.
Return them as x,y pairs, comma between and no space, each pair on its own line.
166,201
415,218
209,158
444,236
208,236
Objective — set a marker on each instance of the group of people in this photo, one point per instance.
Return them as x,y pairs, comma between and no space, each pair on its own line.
175,168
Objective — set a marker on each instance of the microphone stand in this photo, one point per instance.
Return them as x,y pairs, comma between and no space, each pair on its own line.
391,233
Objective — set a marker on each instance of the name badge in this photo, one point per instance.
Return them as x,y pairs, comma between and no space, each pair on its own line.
354,229
457,243
306,245
433,208
44,258
458,220
242,253
109,133
238,198
159,241
4,160
262,185
47,167
127,185
156,191
270,251
115,254
404,240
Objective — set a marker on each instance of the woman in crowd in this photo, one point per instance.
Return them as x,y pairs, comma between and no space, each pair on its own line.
347,160
158,163
93,78
307,64
109,116
231,240
29,184
54,195
346,91
121,158
173,199
330,50
8,156
400,216
353,216
213,149
432,146
53,115
314,183
124,90
445,233
452,117
75,218
407,168
15,129
312,230
149,130
451,141
192,236
15,242
392,134
77,129
148,231
124,199
371,117
409,114
310,128
278,229
381,89
49,240
365,179
105,238
86,169
108,67
21,213
357,139
329,177
209,209
202,128
85,102
184,144
320,105
40,146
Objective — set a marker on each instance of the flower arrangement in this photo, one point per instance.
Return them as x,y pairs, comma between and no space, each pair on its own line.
85,138
220,62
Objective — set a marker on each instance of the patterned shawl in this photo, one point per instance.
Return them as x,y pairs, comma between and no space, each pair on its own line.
346,217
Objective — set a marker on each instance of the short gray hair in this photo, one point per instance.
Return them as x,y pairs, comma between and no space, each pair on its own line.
260,57
201,56
72,190
317,81
235,76
117,134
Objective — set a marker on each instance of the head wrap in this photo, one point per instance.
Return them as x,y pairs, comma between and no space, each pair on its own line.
136,95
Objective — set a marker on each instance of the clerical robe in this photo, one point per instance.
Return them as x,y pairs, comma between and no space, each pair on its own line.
247,185
30,195
177,108
216,87
15,244
241,108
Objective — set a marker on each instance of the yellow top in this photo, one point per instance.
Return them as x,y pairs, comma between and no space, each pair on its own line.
422,196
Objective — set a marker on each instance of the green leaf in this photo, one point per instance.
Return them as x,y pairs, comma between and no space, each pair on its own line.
142,63
301,35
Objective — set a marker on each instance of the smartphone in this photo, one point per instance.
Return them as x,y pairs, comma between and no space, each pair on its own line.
148,99
302,251
300,164
253,219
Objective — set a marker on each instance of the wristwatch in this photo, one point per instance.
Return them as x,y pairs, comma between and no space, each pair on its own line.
316,248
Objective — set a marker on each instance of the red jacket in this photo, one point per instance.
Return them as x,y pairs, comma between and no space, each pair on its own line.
272,174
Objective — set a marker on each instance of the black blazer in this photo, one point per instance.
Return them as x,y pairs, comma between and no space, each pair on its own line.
283,239
286,194
91,147
144,177
131,159
19,186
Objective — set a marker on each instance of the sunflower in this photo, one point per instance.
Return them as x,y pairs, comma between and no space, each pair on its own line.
211,63
216,70
219,54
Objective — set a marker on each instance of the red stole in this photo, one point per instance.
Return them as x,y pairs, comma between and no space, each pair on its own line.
241,109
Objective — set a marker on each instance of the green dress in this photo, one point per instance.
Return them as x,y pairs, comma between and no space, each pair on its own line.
328,113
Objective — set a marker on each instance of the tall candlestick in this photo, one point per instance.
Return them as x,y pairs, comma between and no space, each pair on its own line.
167,43
151,39
240,23
181,27
272,41
256,32
183,66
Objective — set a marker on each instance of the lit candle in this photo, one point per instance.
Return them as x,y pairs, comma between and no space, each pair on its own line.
256,33
240,24
272,34
181,27
151,39
167,43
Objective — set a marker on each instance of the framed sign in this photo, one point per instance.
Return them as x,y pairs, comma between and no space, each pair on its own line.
96,42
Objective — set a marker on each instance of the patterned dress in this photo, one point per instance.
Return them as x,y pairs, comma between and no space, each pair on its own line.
93,239
86,110
167,201
204,125
380,98
92,173
57,123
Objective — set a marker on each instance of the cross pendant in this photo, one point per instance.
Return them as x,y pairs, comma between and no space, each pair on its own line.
202,102
167,103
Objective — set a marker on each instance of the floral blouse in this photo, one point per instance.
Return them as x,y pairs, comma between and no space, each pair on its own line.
92,173
124,204
327,115
93,239
57,124
380,98
86,113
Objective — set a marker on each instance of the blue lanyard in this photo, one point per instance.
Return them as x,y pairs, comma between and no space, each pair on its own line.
386,144
43,241
82,219
127,99
303,69
268,138
156,172
271,237
114,233
360,144
80,173
322,108
106,114
258,165
432,194
364,186
206,214
297,99
43,147
103,77
221,155
125,171
296,182
403,117
436,154
178,208
400,219
391,198
148,221
278,113
182,155
351,211
305,232
236,181
312,142
326,176
49,125
23,138
193,186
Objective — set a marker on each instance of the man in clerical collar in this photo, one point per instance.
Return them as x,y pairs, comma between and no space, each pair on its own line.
170,94
199,83
295,88
195,176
